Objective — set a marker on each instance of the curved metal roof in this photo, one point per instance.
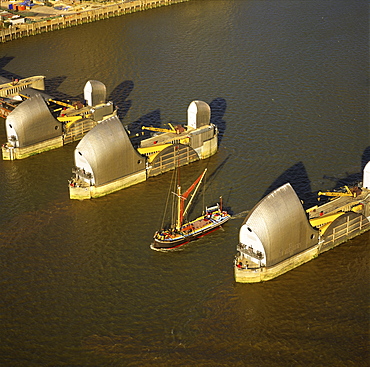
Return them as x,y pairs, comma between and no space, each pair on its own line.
281,224
108,150
199,114
33,122
94,92
366,176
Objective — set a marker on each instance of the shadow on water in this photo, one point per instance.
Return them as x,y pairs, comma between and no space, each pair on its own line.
137,134
119,94
153,119
215,173
354,178
52,85
297,176
218,109
211,178
119,97
5,60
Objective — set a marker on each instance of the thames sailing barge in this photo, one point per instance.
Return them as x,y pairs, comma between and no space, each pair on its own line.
181,232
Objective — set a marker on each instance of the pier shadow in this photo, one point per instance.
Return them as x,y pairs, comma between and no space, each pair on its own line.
210,179
135,129
365,158
218,109
52,85
213,176
5,60
353,178
297,176
119,97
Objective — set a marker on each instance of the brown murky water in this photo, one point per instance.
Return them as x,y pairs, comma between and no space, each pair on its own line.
288,82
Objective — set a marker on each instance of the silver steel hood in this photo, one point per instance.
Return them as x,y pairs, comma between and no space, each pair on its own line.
108,151
280,224
32,122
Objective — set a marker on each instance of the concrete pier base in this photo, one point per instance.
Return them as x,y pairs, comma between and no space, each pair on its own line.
89,192
209,148
10,153
341,233
263,274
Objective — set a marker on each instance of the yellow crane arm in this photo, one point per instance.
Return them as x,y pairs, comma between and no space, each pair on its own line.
52,100
62,103
23,96
155,149
170,130
319,221
69,120
335,193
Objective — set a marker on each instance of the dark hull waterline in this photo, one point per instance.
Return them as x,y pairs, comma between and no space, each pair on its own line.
184,238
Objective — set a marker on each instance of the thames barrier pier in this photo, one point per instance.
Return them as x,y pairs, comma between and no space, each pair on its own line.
35,122
107,161
278,235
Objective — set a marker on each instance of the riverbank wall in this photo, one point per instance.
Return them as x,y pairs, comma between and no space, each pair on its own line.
87,16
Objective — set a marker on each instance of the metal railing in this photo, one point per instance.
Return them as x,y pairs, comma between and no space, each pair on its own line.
347,230
15,86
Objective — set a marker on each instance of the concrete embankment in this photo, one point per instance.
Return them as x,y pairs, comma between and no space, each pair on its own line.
70,19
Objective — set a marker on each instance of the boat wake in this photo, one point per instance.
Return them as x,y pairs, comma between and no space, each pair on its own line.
179,248
240,215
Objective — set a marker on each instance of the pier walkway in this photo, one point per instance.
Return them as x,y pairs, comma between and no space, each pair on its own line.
13,88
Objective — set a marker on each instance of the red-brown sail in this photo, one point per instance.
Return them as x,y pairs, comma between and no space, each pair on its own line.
185,195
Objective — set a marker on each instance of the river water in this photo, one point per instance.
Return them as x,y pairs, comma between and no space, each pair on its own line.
288,83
